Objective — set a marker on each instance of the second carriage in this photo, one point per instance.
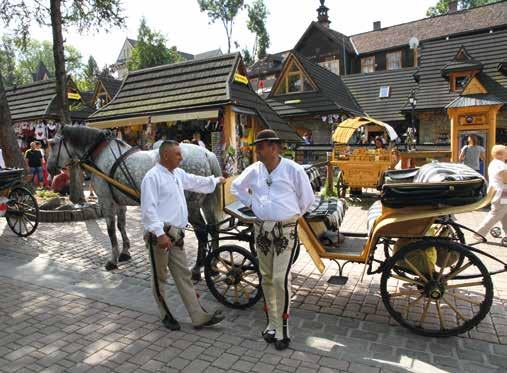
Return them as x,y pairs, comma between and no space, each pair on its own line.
432,282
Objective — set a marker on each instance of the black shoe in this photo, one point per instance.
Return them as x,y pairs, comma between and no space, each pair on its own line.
215,319
171,323
269,336
282,344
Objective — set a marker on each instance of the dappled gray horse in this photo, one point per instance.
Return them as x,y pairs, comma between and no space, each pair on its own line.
98,147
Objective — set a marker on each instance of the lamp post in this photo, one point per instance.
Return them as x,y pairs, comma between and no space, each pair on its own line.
411,133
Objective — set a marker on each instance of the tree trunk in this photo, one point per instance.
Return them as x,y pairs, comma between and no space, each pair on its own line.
8,141
62,102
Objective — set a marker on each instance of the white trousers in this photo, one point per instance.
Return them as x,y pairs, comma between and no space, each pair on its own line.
497,213
275,250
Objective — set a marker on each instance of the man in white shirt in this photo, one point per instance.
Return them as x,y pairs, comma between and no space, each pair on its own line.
164,215
278,191
497,173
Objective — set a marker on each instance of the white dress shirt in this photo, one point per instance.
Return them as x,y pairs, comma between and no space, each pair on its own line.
495,170
278,196
163,198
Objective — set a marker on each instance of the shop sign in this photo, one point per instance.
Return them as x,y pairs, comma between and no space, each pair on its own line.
240,78
73,96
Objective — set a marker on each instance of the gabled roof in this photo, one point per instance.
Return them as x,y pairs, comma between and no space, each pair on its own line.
38,101
479,18
42,73
186,86
111,85
271,64
331,95
462,61
335,36
366,89
208,54
487,48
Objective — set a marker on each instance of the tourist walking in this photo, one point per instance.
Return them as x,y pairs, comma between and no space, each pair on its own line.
472,153
278,191
164,214
34,159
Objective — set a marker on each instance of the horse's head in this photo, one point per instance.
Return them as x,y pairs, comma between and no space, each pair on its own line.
69,145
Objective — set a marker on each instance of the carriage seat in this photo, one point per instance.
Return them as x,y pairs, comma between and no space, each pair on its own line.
374,212
314,176
325,218
436,184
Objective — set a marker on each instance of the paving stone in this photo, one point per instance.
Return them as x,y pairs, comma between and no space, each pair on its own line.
178,363
261,367
471,355
361,368
243,366
334,363
197,366
304,356
446,361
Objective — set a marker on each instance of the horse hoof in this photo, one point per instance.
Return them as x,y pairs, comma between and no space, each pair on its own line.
124,257
196,275
110,266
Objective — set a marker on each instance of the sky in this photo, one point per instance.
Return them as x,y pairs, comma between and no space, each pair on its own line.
184,26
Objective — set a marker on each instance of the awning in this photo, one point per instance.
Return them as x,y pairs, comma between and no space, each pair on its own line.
347,128
126,122
208,114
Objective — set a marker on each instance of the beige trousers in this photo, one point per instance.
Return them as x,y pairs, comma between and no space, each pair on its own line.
498,213
275,244
176,260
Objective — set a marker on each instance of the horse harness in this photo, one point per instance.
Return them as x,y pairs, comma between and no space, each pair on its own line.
91,154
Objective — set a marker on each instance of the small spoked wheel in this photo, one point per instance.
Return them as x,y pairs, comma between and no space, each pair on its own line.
496,232
22,212
426,289
232,276
341,186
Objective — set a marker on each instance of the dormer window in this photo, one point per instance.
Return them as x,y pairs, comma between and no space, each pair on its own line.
368,64
458,81
294,81
393,60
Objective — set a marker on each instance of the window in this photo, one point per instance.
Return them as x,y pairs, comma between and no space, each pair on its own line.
393,60
332,65
459,81
368,64
384,91
294,81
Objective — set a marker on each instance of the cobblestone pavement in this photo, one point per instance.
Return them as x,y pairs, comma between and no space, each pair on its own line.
61,311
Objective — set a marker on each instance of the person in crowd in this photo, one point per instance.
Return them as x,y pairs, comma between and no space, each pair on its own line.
61,182
156,144
278,191
164,214
45,174
34,159
196,139
497,173
307,140
379,144
2,161
472,153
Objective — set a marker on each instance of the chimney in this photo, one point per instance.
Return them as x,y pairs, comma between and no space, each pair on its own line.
376,26
453,7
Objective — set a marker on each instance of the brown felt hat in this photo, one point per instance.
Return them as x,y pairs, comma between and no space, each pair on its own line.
266,135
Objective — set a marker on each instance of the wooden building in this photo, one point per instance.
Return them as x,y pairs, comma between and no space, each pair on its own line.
211,96
105,89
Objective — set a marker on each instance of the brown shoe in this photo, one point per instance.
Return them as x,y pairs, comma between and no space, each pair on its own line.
215,319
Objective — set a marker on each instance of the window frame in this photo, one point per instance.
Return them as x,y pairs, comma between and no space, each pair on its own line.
284,83
364,64
388,91
394,53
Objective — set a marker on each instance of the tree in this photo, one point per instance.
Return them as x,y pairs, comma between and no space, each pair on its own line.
247,57
151,49
8,61
257,17
90,74
442,6
84,14
224,11
8,141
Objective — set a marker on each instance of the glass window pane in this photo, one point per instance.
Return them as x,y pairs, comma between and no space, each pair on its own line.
293,68
294,83
307,86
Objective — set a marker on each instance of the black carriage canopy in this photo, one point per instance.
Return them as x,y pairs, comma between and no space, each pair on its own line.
436,183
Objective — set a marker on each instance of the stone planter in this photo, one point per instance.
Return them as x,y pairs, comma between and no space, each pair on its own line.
90,212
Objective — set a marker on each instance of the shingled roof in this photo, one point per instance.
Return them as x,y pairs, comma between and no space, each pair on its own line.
111,85
334,35
487,48
38,101
483,17
366,88
331,96
186,86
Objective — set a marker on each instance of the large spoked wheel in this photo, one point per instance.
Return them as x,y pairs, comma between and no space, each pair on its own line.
434,297
232,276
341,186
22,212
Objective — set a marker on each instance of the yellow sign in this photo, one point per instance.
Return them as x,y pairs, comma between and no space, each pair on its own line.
292,102
73,96
240,78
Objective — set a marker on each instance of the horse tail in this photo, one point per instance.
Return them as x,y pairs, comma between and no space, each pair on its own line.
213,202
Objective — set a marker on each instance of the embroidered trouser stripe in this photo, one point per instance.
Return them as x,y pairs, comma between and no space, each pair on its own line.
288,291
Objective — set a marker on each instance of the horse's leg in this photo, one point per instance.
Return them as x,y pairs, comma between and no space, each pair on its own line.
109,214
122,222
200,231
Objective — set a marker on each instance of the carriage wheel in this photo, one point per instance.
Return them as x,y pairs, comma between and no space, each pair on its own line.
434,298
22,212
232,276
341,186
495,232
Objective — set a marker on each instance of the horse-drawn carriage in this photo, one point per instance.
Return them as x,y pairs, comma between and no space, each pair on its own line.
363,149
431,281
20,206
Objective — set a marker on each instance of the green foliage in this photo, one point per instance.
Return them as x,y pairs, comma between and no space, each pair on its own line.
223,11
257,17
151,49
8,61
442,6
247,57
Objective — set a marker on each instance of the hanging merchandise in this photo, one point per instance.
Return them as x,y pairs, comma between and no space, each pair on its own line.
230,161
41,132
52,128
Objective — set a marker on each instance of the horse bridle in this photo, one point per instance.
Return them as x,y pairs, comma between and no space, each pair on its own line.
71,158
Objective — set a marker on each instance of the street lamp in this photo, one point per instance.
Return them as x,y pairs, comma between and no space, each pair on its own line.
411,137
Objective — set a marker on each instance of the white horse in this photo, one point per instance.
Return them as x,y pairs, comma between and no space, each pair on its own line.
99,148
